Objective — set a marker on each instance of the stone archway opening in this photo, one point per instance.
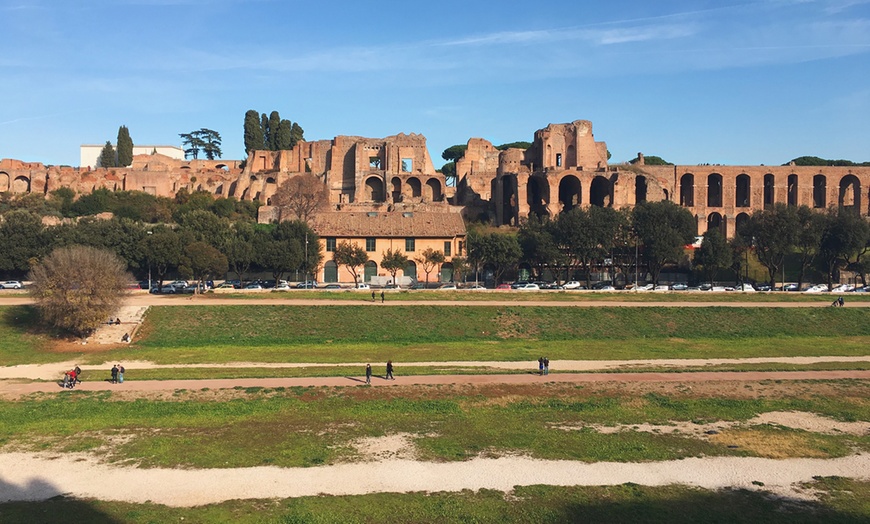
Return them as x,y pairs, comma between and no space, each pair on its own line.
4,182
714,190
601,192
740,220
415,187
687,190
539,197
850,193
793,190
434,193
640,189
370,270
820,190
743,191
569,193
374,190
397,189
509,203
716,221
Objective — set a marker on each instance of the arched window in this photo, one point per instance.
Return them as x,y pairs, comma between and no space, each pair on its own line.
639,189
569,193
374,190
370,270
820,190
792,190
714,190
687,190
330,271
600,192
538,196
769,194
411,270
434,189
743,193
850,192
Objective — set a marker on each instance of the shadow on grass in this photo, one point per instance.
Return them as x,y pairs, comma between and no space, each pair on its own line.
40,501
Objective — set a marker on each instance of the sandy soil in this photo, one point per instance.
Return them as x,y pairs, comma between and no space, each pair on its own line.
55,370
37,477
15,389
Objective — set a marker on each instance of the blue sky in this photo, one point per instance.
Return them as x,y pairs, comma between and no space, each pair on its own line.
692,81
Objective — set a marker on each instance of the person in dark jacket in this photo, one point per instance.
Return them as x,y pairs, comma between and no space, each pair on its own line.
390,370
114,374
368,373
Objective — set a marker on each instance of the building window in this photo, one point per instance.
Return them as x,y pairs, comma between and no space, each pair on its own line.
409,245
370,244
558,159
447,245
330,243
407,165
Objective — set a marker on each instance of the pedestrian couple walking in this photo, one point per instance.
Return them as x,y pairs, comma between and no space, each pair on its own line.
388,376
118,374
544,366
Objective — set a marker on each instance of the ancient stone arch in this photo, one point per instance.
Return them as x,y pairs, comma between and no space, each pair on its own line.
716,221
769,196
569,193
397,189
601,192
687,190
4,182
640,189
434,190
414,186
21,184
743,191
374,189
714,190
850,192
793,199
820,190
538,193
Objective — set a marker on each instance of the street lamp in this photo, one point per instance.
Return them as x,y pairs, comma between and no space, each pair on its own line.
149,268
306,260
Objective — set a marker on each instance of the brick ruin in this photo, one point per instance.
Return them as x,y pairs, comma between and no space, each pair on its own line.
564,168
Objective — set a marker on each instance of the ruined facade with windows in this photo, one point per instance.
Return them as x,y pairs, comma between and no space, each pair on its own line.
566,168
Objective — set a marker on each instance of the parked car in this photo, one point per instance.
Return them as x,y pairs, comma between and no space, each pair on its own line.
529,286
363,285
309,284
11,284
254,285
282,286
226,285
450,286
679,287
503,286
332,286
572,284
476,287
518,283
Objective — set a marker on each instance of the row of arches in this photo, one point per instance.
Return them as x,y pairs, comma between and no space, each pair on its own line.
412,187
570,194
19,184
370,270
849,191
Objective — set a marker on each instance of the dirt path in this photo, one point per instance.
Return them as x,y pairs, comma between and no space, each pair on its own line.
15,389
55,370
35,477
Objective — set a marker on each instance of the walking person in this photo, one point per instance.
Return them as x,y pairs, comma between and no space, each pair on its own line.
368,374
373,296
546,366
382,297
120,373
389,370
114,374
541,366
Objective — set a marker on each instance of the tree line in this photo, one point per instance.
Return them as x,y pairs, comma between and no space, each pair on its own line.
654,236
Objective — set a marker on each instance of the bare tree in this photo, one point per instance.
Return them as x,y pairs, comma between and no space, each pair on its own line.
303,195
351,256
430,260
78,287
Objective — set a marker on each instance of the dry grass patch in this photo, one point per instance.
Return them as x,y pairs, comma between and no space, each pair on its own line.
775,444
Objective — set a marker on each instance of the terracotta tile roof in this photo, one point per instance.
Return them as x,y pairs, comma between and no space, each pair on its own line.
395,224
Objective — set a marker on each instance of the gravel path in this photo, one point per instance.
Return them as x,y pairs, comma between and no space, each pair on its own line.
15,389
37,477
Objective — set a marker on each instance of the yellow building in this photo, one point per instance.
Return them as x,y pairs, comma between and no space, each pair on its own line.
410,232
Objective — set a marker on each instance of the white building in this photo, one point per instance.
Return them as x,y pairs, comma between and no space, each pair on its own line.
90,154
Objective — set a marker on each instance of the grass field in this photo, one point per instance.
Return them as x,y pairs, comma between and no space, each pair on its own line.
843,501
312,426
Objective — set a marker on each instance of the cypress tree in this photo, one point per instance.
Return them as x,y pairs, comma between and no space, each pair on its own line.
125,147
274,125
264,125
107,155
254,139
297,134
284,136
